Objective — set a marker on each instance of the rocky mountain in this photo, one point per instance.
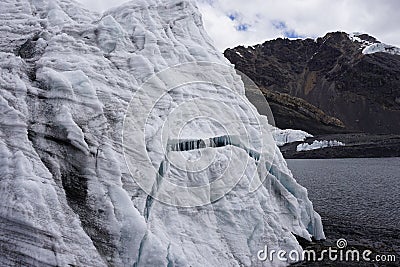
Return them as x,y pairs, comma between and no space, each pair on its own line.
111,156
352,78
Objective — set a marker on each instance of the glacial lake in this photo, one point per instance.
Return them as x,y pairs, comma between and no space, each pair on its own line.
358,199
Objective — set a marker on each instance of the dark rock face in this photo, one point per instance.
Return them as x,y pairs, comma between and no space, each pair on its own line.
331,73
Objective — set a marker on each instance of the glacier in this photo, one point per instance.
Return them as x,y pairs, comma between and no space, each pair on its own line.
287,136
73,160
319,145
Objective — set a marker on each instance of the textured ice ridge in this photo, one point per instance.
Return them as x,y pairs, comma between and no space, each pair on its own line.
219,141
67,197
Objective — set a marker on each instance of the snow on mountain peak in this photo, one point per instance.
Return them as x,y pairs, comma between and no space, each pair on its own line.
370,45
68,194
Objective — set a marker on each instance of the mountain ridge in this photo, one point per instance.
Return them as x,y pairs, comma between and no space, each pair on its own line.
338,73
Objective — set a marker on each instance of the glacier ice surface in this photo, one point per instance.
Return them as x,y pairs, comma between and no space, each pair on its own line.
319,145
287,136
67,197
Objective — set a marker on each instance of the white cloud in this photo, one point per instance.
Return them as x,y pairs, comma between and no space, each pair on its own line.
224,31
308,18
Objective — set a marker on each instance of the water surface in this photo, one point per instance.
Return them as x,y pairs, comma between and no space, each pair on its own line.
358,199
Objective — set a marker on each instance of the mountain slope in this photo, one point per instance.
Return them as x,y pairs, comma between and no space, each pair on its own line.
353,78
72,162
295,113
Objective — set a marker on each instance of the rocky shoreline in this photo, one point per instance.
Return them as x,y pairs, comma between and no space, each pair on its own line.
379,240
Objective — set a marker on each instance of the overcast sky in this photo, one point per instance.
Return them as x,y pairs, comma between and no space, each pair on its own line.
240,22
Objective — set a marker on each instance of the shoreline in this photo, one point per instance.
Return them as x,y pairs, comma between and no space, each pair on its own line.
381,241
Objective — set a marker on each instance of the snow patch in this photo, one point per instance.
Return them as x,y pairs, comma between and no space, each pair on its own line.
239,54
379,47
369,47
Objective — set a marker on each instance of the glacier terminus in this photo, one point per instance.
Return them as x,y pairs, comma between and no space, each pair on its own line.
127,139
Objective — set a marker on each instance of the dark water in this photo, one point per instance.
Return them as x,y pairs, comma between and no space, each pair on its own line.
358,199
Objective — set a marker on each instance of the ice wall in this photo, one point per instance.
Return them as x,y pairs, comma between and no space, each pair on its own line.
67,197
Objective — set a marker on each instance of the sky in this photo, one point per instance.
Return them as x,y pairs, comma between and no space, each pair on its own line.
239,22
